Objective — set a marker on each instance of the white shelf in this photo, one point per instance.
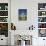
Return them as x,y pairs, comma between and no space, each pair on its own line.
41,10
3,10
3,22
3,16
41,22
42,16
41,28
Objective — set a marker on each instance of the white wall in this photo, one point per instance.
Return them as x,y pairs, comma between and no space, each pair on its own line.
32,9
31,13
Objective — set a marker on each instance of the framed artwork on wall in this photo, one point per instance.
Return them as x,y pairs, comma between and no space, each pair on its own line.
22,14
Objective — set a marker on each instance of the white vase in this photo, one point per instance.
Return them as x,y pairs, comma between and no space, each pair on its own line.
22,43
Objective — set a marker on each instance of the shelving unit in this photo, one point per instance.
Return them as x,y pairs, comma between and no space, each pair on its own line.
41,10
4,19
42,19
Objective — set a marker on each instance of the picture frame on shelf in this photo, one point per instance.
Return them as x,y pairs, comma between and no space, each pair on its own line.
41,6
3,13
41,19
4,29
3,19
42,32
41,13
41,25
6,7
3,6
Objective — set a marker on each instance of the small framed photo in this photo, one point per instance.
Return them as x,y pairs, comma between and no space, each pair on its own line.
42,33
4,29
22,14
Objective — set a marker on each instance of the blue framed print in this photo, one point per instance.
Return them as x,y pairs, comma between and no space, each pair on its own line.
22,14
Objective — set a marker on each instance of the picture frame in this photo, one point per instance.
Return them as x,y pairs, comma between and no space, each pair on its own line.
22,14
42,33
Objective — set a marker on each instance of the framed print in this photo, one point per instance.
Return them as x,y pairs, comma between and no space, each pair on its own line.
42,32
4,29
22,14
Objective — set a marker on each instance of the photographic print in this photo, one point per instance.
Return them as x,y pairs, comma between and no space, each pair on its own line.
22,14
41,6
42,32
3,6
4,29
3,13
41,25
3,19
41,13
41,19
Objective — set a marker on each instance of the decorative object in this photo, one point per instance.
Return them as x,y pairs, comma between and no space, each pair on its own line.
3,6
42,25
23,40
42,32
3,13
3,19
13,27
31,27
4,29
0,7
41,19
22,14
41,6
26,38
4,26
22,43
43,13
6,7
